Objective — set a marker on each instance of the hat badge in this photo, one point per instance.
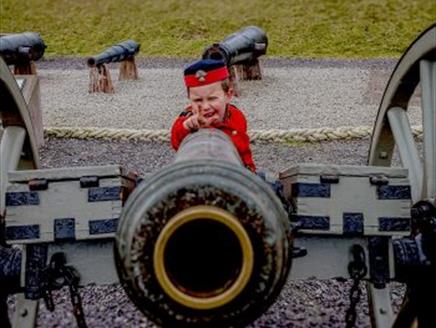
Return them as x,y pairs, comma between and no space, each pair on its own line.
201,75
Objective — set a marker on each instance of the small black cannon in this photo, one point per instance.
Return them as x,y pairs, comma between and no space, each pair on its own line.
116,53
21,47
240,51
241,47
123,52
21,50
204,242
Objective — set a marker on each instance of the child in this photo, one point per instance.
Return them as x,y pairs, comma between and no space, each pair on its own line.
209,93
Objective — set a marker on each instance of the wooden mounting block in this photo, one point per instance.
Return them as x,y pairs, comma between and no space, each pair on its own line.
244,72
28,68
250,71
100,79
128,69
234,80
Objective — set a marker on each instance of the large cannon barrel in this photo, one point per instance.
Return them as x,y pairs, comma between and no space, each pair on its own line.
204,242
116,53
240,47
21,47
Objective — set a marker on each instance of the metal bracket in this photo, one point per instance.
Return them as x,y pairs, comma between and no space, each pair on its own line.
25,313
378,251
380,306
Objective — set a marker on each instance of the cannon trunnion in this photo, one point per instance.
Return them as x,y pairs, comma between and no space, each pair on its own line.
205,241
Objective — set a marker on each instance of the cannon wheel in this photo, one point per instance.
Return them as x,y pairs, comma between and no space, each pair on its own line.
18,150
392,127
418,64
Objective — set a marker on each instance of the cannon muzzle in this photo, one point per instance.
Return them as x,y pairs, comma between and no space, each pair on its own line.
204,242
240,47
116,53
21,48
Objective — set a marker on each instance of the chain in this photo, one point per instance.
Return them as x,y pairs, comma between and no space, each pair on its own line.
76,300
57,275
355,293
48,299
357,270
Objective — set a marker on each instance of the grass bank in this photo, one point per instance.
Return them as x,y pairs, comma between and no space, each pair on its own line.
182,28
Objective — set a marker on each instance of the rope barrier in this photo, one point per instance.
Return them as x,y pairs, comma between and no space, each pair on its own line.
266,136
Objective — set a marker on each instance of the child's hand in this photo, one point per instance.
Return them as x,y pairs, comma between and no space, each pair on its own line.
206,121
192,123
195,120
188,108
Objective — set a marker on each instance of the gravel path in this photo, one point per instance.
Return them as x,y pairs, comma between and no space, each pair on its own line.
176,62
297,95
147,157
311,303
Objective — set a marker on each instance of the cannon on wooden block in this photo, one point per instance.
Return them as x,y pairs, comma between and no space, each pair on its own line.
21,50
204,242
240,51
116,53
123,52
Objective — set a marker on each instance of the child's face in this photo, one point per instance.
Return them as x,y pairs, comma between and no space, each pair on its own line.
210,100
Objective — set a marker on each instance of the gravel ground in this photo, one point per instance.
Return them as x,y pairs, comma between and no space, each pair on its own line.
147,157
310,303
298,95
173,62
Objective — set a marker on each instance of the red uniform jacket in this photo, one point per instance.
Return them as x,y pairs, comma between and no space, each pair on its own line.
234,125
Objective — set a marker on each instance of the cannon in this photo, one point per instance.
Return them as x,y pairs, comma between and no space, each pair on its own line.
21,49
206,237
124,52
240,47
240,52
116,53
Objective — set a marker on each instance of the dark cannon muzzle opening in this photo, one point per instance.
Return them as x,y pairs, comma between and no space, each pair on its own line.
116,53
203,257
204,242
21,48
240,47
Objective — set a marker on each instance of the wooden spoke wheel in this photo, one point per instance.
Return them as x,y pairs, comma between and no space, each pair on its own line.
392,128
18,150
416,66
19,145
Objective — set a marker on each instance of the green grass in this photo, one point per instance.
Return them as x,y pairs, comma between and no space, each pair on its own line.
178,28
